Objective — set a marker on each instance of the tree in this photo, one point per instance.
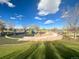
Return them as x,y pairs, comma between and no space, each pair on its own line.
2,27
10,28
71,16
32,30
35,27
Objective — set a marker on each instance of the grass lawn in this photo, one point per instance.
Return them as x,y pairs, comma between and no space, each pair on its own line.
40,50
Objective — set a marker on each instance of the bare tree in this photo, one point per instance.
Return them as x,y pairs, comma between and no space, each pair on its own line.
35,27
71,16
10,28
2,26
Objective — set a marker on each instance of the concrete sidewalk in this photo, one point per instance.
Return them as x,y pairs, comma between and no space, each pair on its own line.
52,37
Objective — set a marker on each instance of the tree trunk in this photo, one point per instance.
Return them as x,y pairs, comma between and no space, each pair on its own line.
75,35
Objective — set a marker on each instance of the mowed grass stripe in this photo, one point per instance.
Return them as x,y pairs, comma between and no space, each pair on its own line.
39,53
69,42
28,52
56,51
51,52
66,52
10,48
72,45
21,50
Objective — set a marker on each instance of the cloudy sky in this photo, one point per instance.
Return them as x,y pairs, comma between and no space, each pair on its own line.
44,13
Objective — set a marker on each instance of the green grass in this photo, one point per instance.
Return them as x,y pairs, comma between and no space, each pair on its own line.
40,50
4,40
17,36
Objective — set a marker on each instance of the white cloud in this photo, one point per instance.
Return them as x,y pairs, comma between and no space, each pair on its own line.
65,14
42,13
46,7
7,2
12,18
19,27
38,18
49,22
19,16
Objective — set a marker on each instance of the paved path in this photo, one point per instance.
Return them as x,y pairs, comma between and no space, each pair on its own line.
50,37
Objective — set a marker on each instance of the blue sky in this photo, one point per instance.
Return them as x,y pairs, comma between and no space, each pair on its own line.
44,13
